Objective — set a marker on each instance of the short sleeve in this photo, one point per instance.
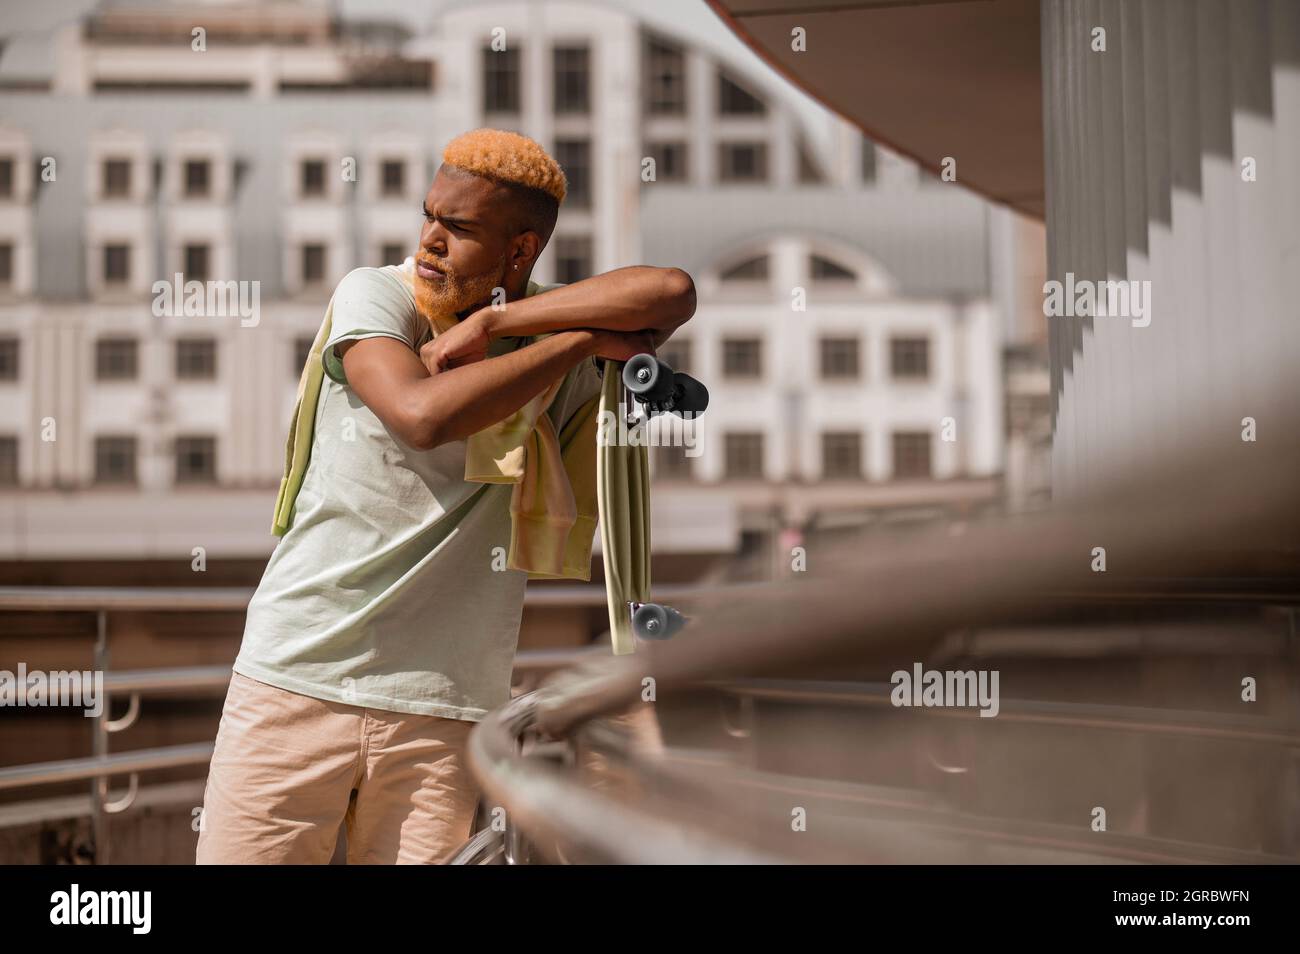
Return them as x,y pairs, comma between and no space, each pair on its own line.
582,384
370,303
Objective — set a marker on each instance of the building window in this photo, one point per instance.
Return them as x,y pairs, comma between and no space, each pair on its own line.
742,358
743,455
8,461
572,79
824,270
911,454
665,79
301,352
392,253
6,264
197,261
117,264
198,178
8,359
735,100
311,178
116,359
573,258
840,358
574,157
909,358
868,170
392,178
742,161
196,359
676,354
117,178
501,80
313,264
196,460
6,177
810,172
671,463
669,159
841,455
115,460
750,270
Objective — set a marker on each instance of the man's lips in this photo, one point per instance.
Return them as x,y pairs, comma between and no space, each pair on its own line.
428,272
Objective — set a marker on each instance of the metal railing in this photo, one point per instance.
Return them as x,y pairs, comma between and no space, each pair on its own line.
102,765
1197,543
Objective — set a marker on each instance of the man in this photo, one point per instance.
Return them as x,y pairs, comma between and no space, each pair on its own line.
381,631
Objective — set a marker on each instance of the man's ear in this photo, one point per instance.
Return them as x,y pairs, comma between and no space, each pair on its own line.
525,251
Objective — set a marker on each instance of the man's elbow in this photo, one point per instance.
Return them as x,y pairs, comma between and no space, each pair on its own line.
679,294
418,430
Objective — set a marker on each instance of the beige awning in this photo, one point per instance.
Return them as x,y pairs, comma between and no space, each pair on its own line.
929,80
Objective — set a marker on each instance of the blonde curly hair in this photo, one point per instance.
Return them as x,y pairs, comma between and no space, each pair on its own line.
507,157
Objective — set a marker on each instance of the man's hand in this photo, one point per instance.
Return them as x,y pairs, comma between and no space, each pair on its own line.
464,343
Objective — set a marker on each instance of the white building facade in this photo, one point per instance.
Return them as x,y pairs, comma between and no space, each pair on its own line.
847,329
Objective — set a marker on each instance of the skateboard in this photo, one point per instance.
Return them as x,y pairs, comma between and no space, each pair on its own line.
661,390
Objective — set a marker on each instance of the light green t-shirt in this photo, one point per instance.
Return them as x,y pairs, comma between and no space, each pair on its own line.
383,592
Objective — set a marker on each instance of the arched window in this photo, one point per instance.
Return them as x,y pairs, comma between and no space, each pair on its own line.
749,270
823,269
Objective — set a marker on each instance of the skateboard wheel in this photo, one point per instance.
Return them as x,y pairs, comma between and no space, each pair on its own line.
648,378
653,621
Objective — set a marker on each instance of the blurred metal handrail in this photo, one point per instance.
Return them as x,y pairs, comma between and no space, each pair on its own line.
103,766
53,599
873,604
125,681
233,598
700,785
1075,714
876,605
549,804
553,806
137,682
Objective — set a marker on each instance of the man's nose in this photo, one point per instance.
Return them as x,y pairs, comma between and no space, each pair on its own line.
433,237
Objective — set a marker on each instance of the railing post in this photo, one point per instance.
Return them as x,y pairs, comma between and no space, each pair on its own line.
99,746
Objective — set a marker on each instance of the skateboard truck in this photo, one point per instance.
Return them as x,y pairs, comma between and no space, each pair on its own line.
654,620
663,390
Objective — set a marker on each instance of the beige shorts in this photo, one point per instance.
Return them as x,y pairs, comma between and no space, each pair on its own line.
289,770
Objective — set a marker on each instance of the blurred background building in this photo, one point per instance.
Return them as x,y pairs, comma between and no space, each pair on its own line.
867,331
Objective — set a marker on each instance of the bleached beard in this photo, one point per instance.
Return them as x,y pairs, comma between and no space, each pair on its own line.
441,301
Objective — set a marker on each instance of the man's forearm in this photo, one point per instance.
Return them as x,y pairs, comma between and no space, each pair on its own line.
637,298
453,404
